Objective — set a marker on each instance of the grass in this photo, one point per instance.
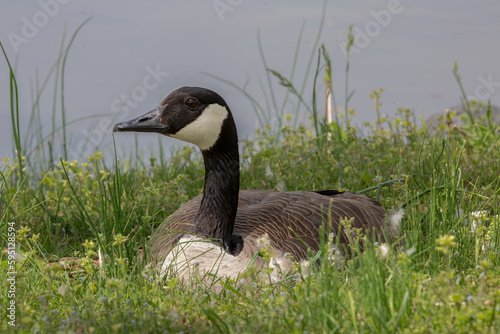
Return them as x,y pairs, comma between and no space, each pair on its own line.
442,276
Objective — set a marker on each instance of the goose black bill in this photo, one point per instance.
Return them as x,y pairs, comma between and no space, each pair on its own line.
149,122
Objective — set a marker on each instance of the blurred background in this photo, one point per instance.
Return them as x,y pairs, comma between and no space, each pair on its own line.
131,54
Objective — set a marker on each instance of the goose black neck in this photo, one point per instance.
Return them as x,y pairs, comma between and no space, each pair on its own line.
215,219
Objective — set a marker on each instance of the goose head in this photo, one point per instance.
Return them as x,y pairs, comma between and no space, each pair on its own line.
191,114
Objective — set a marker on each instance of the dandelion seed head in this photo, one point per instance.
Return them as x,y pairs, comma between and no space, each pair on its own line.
395,220
411,251
383,250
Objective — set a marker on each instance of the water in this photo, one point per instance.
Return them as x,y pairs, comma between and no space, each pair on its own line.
151,48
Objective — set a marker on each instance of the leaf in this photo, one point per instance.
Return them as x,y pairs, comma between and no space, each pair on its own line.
366,177
217,321
488,115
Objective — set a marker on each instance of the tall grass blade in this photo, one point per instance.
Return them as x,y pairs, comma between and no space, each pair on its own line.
63,67
14,116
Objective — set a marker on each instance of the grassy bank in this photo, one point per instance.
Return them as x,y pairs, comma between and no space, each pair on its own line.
78,226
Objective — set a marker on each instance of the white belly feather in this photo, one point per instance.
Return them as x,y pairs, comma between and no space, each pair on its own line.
193,256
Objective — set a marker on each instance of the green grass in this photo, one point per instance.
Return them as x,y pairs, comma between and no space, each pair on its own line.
442,276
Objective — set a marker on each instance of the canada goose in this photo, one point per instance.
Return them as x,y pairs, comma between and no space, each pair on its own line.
239,222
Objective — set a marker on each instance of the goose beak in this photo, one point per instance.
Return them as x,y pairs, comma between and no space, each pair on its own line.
149,122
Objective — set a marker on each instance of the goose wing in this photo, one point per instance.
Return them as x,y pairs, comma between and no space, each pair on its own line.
292,220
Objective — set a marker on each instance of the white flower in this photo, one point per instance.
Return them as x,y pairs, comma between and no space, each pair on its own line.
479,214
480,217
383,250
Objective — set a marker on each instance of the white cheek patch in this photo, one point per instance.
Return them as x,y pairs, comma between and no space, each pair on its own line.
205,130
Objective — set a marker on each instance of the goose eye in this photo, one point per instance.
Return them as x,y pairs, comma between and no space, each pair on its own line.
191,103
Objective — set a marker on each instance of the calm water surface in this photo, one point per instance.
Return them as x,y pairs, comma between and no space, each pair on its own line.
137,52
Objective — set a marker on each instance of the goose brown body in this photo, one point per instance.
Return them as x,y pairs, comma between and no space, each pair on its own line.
292,220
